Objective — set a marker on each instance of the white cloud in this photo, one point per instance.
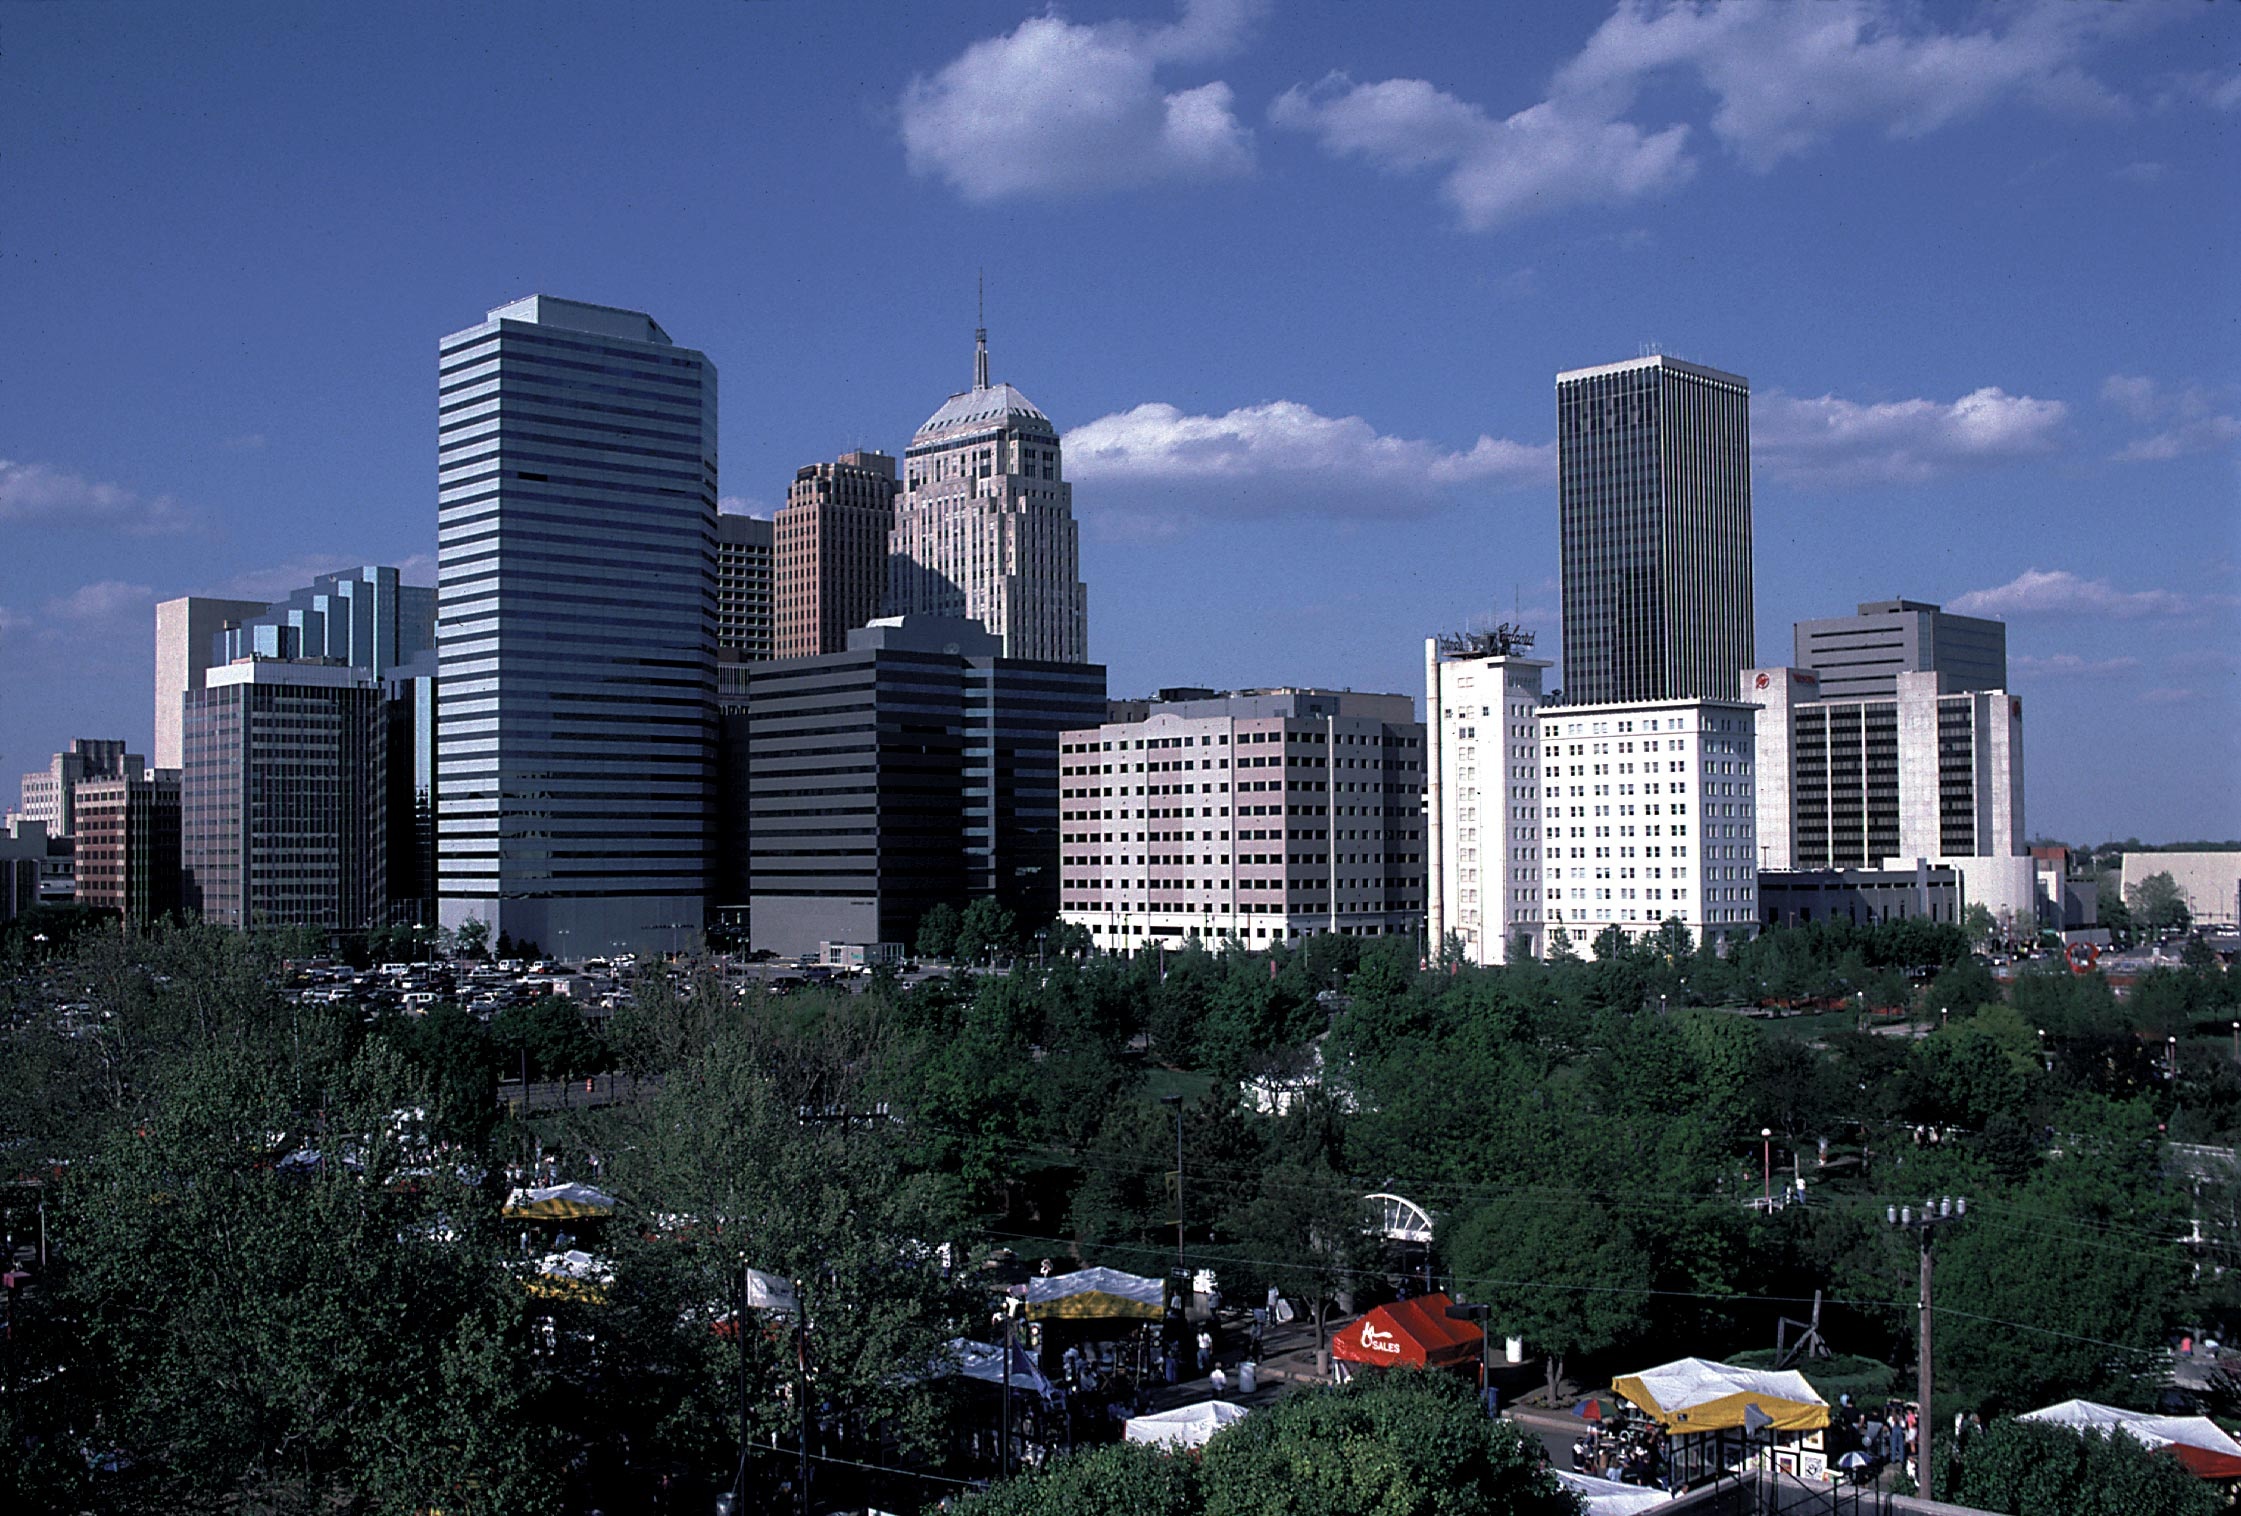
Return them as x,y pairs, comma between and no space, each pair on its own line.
1542,158
2058,592
1783,78
745,505
1829,441
2169,697
35,495
2190,419
2071,666
103,600
1286,457
1058,108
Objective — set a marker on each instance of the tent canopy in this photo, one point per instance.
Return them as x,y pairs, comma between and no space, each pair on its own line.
558,1202
1418,1333
1188,1426
985,1362
1094,1294
2196,1441
1690,1395
1600,1497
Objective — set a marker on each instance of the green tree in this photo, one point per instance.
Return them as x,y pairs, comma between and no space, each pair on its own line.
1395,1443
2023,1468
937,932
1564,1273
2157,905
1977,921
988,929
472,938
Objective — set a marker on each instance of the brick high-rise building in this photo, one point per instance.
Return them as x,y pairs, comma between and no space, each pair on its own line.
128,844
830,566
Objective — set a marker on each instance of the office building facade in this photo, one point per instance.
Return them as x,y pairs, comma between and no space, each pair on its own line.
743,588
917,768
366,618
128,844
187,635
1654,486
1648,811
1482,802
1880,782
577,533
1861,656
283,797
1264,815
985,530
49,795
1800,897
830,569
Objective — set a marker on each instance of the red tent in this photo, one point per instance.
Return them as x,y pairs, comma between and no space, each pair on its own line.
1418,1333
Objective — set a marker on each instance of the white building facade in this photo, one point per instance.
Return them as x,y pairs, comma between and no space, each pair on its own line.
1885,782
1266,816
1482,801
1649,815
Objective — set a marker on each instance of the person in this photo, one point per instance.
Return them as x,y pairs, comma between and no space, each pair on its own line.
1220,1381
1205,1350
1167,1361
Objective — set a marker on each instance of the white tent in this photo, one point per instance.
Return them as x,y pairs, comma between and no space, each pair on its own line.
1094,1294
985,1362
1603,1497
1188,1426
2197,1441
1693,1395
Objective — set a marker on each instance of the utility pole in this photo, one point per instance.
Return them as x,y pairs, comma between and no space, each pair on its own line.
801,1381
1934,1214
1176,1101
1766,1160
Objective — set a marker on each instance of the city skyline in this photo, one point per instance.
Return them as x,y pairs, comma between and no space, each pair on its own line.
1947,406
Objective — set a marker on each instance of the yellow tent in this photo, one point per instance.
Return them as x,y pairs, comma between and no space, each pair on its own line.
1690,1396
559,1202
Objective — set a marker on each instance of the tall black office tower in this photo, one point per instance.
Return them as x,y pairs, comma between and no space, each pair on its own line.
1654,486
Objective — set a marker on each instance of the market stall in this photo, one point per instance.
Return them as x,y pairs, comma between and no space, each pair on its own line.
1715,1416
1187,1426
1412,1334
2196,1441
1094,1294
1601,1497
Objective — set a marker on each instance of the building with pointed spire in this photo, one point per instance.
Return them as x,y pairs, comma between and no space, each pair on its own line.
984,528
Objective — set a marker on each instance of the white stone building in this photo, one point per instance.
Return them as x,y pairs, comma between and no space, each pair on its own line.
1483,794
984,528
1648,810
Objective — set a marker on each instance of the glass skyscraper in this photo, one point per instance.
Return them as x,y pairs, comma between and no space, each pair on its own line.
576,628
1654,487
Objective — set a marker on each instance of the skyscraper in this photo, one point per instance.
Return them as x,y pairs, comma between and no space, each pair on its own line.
576,627
186,634
985,529
831,566
283,804
1654,485
1482,802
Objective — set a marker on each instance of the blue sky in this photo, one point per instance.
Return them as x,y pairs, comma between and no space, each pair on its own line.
1295,278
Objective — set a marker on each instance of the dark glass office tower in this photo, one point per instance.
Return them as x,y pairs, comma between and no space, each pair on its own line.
1654,487
576,628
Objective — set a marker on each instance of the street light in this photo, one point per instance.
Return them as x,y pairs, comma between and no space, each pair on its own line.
1766,1158
1942,1212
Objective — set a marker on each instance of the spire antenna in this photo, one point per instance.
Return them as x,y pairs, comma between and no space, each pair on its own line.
980,338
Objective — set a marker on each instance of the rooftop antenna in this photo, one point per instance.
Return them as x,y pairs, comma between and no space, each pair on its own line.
980,338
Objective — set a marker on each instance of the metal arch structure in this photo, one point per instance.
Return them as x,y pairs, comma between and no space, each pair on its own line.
1399,1219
